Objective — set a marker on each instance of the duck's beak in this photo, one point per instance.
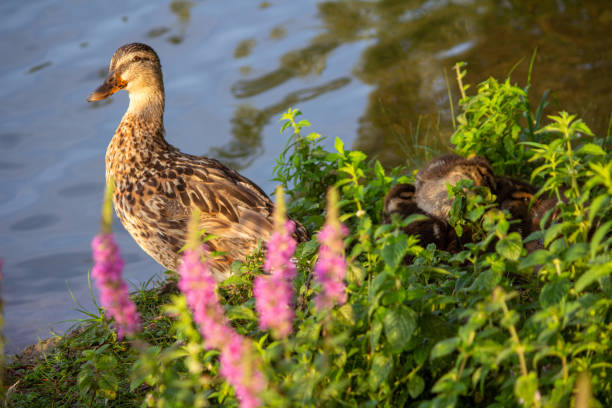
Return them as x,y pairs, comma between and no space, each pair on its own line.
111,84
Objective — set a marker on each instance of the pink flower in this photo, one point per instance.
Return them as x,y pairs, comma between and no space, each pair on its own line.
274,292
199,286
239,365
273,301
114,295
238,368
330,270
281,247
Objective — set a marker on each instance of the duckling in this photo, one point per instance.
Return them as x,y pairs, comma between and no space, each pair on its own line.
157,186
430,189
519,199
516,197
401,200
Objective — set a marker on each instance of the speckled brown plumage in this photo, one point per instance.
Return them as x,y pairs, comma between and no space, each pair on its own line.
430,189
401,200
157,186
430,197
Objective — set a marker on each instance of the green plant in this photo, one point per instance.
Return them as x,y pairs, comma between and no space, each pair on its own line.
493,123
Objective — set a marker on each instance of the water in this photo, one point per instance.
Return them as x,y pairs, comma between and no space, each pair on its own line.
367,72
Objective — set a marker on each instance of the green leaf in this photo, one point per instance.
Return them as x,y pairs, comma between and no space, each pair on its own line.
592,148
339,145
312,137
357,156
355,274
106,362
303,123
108,384
599,235
444,347
553,232
285,125
241,312
600,201
592,275
487,280
577,251
379,170
393,253
307,249
416,385
420,355
553,292
381,367
347,314
375,332
537,257
399,325
510,247
85,380
525,388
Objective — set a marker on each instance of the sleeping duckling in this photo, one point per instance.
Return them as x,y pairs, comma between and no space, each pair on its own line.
518,198
515,196
157,186
430,189
401,200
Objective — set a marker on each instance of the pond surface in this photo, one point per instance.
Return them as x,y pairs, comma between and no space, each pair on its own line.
371,73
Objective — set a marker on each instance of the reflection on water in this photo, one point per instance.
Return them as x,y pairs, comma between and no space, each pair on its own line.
244,48
39,67
248,123
182,9
278,33
157,32
414,42
371,72
302,62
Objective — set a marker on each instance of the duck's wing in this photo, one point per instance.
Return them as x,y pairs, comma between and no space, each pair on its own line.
232,207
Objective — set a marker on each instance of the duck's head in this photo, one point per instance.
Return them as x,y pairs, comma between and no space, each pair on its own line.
134,67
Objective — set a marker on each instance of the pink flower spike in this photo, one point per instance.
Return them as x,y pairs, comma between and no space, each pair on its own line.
238,364
273,301
330,270
199,286
274,292
238,367
114,295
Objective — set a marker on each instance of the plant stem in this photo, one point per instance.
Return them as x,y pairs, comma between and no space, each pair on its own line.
518,346
459,80
515,338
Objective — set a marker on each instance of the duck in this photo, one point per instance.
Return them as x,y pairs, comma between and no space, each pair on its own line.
432,230
431,194
157,187
517,198
429,197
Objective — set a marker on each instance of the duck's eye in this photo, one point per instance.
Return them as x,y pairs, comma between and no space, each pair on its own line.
136,58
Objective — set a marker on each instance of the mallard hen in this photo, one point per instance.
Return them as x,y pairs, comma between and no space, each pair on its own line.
156,186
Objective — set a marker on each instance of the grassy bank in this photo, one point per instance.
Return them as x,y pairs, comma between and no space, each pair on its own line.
492,325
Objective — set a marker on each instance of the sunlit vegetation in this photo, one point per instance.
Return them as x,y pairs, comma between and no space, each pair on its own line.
492,325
